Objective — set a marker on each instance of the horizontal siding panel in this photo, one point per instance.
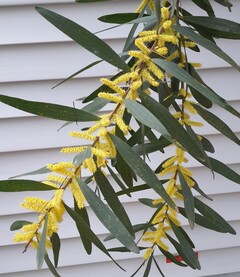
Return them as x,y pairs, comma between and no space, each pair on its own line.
211,241
19,31
45,61
78,87
212,260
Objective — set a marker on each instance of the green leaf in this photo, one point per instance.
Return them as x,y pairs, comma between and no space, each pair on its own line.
204,101
213,216
205,5
188,200
217,27
148,267
209,45
141,265
51,266
171,257
23,185
181,252
207,145
56,245
186,247
217,123
146,117
198,189
141,169
118,18
184,76
87,243
85,38
81,157
157,266
19,224
108,218
224,170
77,73
152,147
89,233
149,202
224,3
41,245
96,105
122,249
48,109
173,127
204,222
133,189
117,180
112,200
42,170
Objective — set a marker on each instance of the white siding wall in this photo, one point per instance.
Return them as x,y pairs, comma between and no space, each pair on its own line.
34,57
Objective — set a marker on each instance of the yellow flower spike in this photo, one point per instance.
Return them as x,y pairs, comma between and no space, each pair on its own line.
169,162
182,92
162,51
141,6
83,135
171,189
78,149
125,78
148,33
33,227
163,245
34,203
57,179
180,154
193,123
139,55
52,226
169,38
112,85
158,201
173,56
189,107
167,24
173,219
20,237
196,65
147,253
179,195
110,97
185,171
91,165
121,124
59,211
189,44
77,193
165,13
190,182
169,169
57,198
139,43
93,128
148,77
105,122
99,152
111,147
103,132
155,70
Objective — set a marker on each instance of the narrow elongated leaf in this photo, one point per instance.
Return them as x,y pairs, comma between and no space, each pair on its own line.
96,105
78,72
217,27
48,109
224,170
133,189
184,76
141,169
51,266
205,5
23,185
181,252
81,157
149,202
171,257
151,147
224,3
87,243
118,18
213,216
19,224
112,200
89,233
148,267
117,180
56,245
204,222
198,189
85,38
217,123
186,247
188,200
41,245
207,145
108,218
42,170
211,46
174,128
147,118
